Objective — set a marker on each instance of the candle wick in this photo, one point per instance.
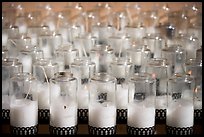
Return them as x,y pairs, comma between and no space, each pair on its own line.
45,77
13,42
84,50
64,107
28,92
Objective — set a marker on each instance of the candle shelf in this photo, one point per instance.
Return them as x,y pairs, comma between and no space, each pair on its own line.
121,129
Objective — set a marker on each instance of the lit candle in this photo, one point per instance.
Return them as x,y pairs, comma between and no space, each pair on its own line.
180,114
102,115
140,115
121,96
63,113
23,113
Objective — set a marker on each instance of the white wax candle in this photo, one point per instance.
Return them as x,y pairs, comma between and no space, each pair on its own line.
121,96
4,38
140,115
34,38
102,115
5,102
137,58
64,33
23,113
118,71
27,63
69,57
22,28
63,113
51,25
83,97
43,96
46,50
161,102
180,113
95,58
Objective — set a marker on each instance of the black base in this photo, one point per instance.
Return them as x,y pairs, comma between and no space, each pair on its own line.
33,130
5,115
179,131
121,116
63,130
140,131
160,116
198,114
102,131
43,116
82,116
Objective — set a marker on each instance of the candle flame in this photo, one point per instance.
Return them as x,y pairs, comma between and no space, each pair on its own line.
189,72
196,90
153,75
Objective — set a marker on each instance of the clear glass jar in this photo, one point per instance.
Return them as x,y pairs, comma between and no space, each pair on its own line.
119,43
139,57
102,55
121,69
141,105
10,66
69,52
44,69
194,68
84,44
83,69
23,104
180,109
102,105
155,42
160,70
63,104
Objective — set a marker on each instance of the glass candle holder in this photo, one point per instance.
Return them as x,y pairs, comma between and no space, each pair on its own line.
23,104
84,44
194,68
35,31
119,43
83,69
17,43
180,109
10,66
139,57
63,104
44,69
102,55
102,32
102,105
160,71
69,52
141,105
9,32
26,57
49,42
155,43
136,33
121,69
